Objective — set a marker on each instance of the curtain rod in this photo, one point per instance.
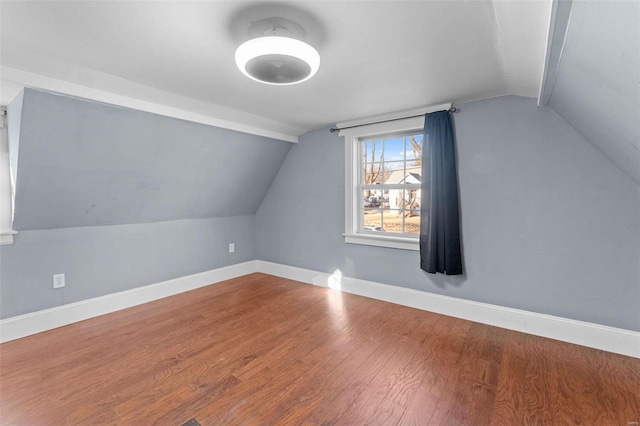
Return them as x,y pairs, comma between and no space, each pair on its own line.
337,129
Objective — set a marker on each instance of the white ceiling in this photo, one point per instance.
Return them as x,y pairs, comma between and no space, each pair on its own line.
376,56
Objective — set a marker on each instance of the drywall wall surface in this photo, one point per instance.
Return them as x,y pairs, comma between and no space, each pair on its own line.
549,225
106,259
597,87
84,163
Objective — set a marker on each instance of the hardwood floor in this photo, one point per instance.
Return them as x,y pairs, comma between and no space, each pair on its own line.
265,350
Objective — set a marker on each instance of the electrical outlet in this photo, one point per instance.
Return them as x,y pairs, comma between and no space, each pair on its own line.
58,281
232,248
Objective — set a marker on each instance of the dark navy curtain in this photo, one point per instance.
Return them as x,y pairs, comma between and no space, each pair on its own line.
440,214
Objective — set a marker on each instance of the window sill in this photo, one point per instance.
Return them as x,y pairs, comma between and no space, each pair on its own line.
6,237
401,243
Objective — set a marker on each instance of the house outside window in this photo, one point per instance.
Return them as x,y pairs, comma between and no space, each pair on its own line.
390,177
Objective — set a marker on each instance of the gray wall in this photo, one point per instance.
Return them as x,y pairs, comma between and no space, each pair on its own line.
117,198
106,259
84,163
549,225
597,88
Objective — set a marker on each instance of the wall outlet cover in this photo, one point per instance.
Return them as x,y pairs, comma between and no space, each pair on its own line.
58,281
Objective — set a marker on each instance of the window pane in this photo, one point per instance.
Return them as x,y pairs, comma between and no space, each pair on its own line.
394,149
413,146
385,199
394,172
372,219
373,173
414,159
396,199
372,210
413,175
411,211
412,225
372,157
372,151
372,198
393,221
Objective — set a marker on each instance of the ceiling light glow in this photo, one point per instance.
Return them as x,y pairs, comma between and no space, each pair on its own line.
277,60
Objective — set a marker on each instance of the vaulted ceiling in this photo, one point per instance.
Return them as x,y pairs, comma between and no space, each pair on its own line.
177,58
597,89
376,56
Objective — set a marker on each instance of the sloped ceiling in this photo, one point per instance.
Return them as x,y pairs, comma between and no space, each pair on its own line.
82,163
377,56
597,87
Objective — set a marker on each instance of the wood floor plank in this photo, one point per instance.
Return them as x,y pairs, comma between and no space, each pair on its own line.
265,350
332,377
476,379
587,390
350,381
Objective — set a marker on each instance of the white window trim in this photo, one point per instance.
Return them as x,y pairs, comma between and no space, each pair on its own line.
352,136
6,187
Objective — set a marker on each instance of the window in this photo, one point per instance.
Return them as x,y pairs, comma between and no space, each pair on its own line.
383,178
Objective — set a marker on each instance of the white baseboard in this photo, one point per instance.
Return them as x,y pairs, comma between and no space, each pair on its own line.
47,319
597,336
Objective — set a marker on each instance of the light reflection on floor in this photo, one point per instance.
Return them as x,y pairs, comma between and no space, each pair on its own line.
339,317
335,280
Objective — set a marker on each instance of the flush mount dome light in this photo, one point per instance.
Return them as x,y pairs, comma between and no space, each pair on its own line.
277,60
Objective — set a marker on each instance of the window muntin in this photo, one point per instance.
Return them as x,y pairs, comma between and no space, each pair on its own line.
389,178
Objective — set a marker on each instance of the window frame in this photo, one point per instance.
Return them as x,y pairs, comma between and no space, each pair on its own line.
353,199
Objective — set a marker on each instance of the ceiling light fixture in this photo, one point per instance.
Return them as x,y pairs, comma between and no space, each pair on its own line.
277,59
